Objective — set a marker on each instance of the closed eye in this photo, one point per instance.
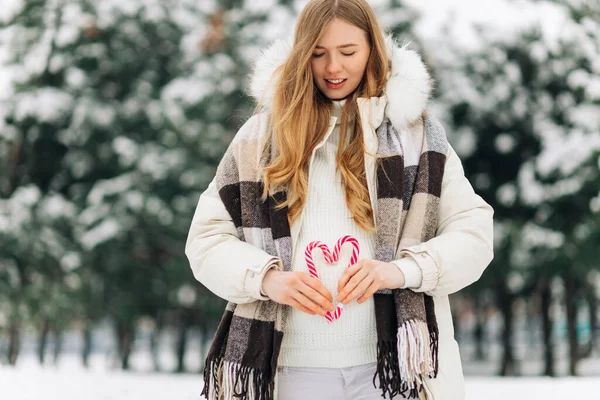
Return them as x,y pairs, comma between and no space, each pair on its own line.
345,54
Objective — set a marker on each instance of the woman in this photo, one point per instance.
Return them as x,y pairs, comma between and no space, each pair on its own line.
343,145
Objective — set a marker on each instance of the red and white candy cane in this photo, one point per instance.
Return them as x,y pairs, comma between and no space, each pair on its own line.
338,247
309,258
330,259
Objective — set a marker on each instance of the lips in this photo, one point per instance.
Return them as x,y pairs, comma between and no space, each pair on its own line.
335,83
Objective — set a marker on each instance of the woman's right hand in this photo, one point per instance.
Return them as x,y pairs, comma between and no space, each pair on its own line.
299,290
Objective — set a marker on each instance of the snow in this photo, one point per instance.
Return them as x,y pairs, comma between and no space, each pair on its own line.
505,143
108,229
70,261
52,384
135,200
534,235
189,91
531,388
259,6
507,194
67,35
127,150
9,8
69,382
17,211
75,78
55,206
462,20
110,187
45,104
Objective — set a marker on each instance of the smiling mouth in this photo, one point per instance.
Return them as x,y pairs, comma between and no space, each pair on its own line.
335,84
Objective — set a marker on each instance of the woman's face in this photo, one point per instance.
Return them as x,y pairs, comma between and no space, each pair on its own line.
340,58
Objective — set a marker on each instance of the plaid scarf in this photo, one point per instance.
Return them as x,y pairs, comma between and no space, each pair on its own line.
242,361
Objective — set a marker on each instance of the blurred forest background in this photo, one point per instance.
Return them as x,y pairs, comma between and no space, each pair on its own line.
114,115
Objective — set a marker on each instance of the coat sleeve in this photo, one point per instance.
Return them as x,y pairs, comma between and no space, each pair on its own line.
463,246
229,267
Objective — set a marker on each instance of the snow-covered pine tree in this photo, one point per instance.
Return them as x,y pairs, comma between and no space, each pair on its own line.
524,108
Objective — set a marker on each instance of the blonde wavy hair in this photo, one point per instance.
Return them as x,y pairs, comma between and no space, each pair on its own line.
300,113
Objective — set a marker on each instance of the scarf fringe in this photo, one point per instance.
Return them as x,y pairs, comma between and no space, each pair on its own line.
212,387
390,382
401,366
238,381
434,346
417,352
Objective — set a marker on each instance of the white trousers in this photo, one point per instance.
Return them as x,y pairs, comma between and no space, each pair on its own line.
353,383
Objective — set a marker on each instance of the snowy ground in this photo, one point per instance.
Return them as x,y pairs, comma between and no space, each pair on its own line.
69,382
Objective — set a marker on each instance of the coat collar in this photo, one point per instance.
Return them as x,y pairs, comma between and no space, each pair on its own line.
407,91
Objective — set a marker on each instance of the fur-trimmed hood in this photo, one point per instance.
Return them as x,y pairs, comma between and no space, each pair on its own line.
408,88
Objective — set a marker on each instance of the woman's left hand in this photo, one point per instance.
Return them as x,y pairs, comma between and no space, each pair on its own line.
366,277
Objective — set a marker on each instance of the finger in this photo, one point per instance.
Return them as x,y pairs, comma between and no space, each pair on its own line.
360,288
352,283
326,303
309,304
294,303
318,286
370,292
348,274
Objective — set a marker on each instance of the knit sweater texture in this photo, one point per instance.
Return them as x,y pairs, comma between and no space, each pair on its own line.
309,340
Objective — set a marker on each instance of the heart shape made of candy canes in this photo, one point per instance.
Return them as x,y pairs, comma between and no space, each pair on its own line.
331,258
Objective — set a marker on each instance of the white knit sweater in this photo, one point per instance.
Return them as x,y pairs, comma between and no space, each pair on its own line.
309,340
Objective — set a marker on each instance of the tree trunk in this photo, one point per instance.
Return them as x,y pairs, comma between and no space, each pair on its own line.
154,341
43,341
571,321
479,330
184,326
14,343
508,365
58,343
203,343
87,345
593,310
456,319
547,325
587,349
125,334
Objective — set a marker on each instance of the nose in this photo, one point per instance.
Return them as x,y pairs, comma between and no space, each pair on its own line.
333,66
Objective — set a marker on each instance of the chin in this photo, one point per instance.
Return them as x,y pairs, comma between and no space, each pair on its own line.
336,96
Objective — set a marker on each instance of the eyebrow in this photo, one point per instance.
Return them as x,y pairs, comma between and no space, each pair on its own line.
340,47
